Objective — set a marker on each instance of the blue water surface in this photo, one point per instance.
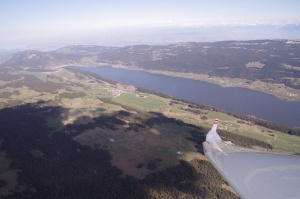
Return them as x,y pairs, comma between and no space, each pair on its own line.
239,100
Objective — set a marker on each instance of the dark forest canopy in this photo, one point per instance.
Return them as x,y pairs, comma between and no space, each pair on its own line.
67,169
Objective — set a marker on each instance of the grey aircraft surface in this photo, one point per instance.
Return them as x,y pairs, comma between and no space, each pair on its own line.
253,174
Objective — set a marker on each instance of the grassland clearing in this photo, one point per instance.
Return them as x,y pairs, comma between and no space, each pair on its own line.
83,111
220,116
26,95
287,66
8,175
142,103
257,65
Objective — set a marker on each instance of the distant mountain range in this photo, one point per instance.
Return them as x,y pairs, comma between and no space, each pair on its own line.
275,61
187,33
163,34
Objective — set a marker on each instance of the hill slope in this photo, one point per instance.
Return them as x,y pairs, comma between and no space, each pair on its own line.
251,64
70,133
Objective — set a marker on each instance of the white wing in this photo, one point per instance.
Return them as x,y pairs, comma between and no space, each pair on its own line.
255,174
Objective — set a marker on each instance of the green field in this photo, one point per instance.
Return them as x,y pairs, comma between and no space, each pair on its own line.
146,103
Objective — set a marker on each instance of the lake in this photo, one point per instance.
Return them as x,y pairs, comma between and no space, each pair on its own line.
239,100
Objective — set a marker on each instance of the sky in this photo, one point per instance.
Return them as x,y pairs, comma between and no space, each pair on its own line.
24,20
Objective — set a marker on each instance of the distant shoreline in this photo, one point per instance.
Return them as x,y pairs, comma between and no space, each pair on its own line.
278,90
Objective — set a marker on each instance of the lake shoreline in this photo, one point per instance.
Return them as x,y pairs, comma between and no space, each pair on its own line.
278,90
272,89
234,99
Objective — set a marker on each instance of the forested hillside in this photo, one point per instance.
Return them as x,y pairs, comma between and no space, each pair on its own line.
273,61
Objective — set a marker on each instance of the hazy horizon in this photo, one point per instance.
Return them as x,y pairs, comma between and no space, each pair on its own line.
33,23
